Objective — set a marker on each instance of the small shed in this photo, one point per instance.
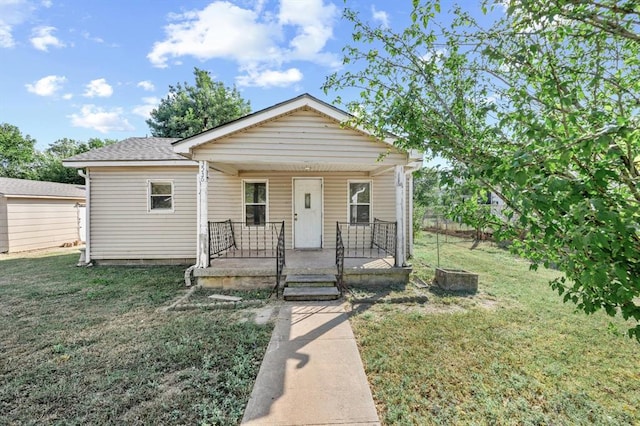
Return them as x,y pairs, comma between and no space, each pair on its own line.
36,214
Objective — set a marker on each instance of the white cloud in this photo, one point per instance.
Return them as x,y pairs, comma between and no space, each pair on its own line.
104,121
221,30
259,6
146,85
42,38
46,86
12,13
145,109
314,22
255,39
380,16
6,39
270,78
67,96
438,55
98,87
47,3
87,36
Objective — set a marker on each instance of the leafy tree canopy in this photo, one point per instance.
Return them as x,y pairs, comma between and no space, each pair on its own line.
541,108
48,164
20,159
16,152
188,110
426,187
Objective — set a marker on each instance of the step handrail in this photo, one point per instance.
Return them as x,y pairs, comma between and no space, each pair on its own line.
280,260
340,260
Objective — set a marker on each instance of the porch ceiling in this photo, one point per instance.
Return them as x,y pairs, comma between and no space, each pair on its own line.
300,167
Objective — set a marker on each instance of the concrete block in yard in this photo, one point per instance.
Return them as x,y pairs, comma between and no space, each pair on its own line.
456,280
225,298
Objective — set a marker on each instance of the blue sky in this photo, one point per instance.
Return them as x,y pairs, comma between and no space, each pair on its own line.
81,69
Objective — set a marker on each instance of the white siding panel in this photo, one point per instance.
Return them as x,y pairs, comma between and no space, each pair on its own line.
225,198
40,223
121,226
4,242
300,136
384,197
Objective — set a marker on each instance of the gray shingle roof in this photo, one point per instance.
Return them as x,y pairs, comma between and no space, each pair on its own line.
132,149
36,188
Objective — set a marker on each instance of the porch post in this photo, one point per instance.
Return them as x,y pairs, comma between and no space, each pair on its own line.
400,216
202,216
409,215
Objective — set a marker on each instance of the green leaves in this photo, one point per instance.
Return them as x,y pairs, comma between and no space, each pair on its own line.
16,152
189,110
560,141
520,177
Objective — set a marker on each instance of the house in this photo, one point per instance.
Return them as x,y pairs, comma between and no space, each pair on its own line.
290,178
35,214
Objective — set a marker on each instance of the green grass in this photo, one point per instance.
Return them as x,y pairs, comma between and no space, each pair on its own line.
92,346
511,354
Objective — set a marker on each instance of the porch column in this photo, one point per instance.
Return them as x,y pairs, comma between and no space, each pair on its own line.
400,216
202,216
409,214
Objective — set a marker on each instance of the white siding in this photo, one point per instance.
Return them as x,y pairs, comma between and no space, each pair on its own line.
225,198
35,223
4,243
121,226
298,137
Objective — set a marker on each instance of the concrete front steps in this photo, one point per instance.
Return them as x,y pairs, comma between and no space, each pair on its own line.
310,287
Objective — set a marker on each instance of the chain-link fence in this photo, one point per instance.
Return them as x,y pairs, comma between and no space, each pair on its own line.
445,230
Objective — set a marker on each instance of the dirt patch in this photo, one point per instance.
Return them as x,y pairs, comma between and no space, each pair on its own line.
419,297
52,251
264,315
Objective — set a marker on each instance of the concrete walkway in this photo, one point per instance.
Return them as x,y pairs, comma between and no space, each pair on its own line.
312,373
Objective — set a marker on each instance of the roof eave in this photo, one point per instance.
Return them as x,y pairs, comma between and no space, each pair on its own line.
53,197
128,163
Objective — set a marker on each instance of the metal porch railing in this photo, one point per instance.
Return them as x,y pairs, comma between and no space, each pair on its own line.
280,260
363,240
340,260
368,240
236,239
230,239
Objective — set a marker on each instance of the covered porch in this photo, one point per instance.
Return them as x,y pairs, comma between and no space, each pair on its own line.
250,256
292,189
252,272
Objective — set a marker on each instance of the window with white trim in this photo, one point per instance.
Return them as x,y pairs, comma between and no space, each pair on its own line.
160,196
359,202
255,202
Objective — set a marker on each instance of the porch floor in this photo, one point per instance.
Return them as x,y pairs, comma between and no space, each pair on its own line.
243,272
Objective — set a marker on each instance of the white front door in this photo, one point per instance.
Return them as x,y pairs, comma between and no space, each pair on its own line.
307,213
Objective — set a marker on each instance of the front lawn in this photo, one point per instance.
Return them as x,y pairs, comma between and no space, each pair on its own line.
511,354
93,346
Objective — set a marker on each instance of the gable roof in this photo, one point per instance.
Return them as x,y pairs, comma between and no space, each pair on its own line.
154,151
137,149
32,188
305,100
